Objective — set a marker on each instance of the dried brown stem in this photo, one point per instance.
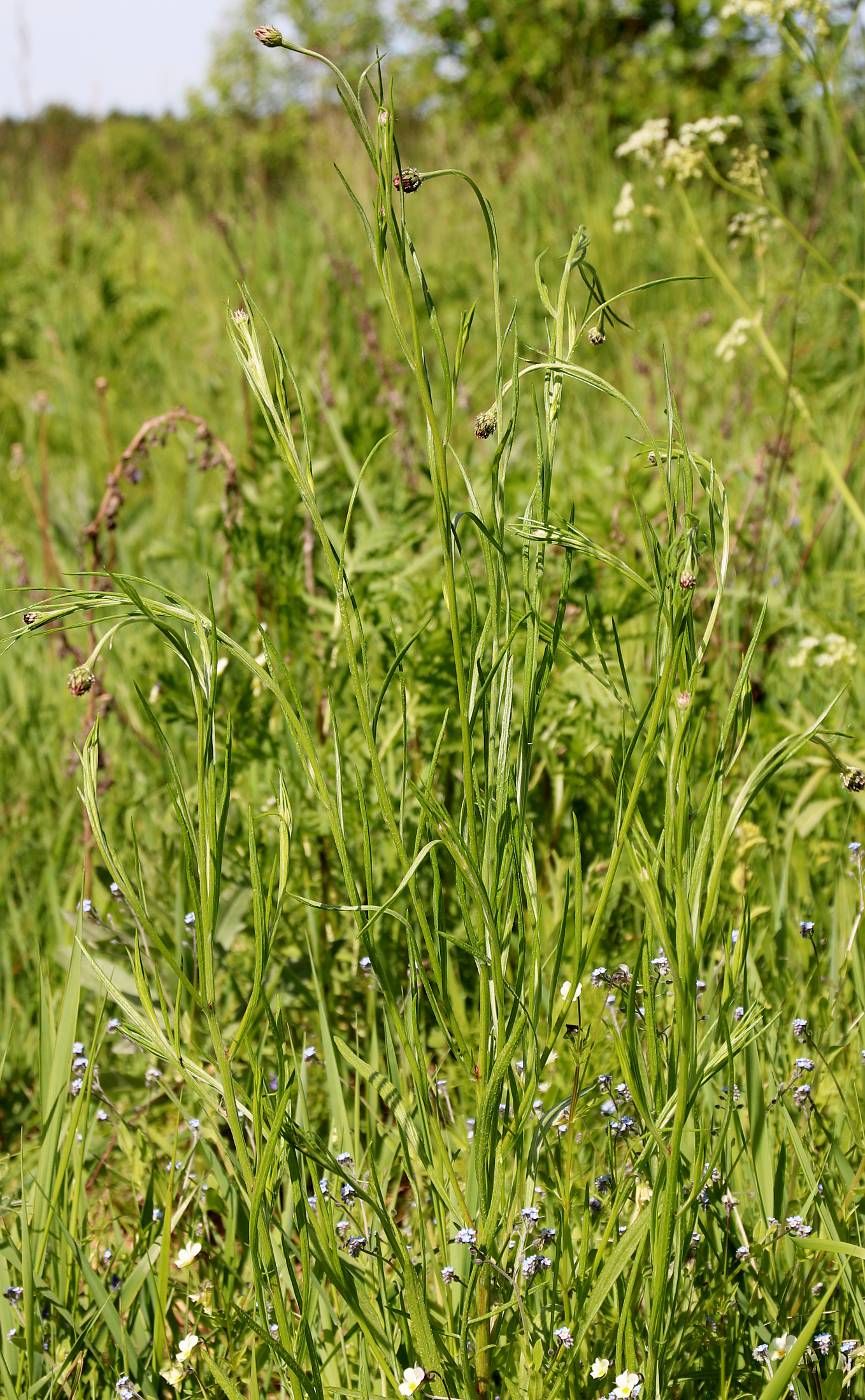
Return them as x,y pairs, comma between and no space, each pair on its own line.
154,433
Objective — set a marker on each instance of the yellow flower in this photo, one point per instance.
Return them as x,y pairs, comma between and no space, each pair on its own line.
412,1378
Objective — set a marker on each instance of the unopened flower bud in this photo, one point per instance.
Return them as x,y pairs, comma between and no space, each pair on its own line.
853,780
80,680
383,116
596,336
267,35
100,384
31,619
687,581
485,423
407,180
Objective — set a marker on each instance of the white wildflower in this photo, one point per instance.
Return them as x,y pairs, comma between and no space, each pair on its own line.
628,1384
645,143
781,1346
733,339
412,1378
624,208
187,1255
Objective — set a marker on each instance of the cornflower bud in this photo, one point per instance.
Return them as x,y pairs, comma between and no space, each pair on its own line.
408,180
267,35
80,680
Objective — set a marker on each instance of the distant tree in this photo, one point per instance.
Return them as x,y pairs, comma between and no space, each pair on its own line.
241,78
255,82
509,57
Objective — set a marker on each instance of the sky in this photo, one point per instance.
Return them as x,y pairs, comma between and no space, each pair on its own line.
100,55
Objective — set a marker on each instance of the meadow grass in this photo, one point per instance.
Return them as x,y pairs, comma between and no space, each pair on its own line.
432,963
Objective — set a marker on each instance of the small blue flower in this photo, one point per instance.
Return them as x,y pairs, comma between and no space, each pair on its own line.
535,1264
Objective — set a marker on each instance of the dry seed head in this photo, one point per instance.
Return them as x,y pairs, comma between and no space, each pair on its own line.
267,35
485,423
80,680
853,780
687,581
407,180
596,336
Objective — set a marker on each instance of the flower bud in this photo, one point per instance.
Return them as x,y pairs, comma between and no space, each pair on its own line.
596,336
267,35
80,680
31,619
407,180
853,780
687,581
485,423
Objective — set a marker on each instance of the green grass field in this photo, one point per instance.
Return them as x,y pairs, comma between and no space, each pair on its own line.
430,871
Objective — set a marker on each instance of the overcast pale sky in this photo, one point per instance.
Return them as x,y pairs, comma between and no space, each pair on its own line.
96,55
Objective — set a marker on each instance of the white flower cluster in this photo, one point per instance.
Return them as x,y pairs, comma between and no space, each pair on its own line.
645,143
831,650
624,208
711,129
752,226
733,339
746,167
676,157
816,12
